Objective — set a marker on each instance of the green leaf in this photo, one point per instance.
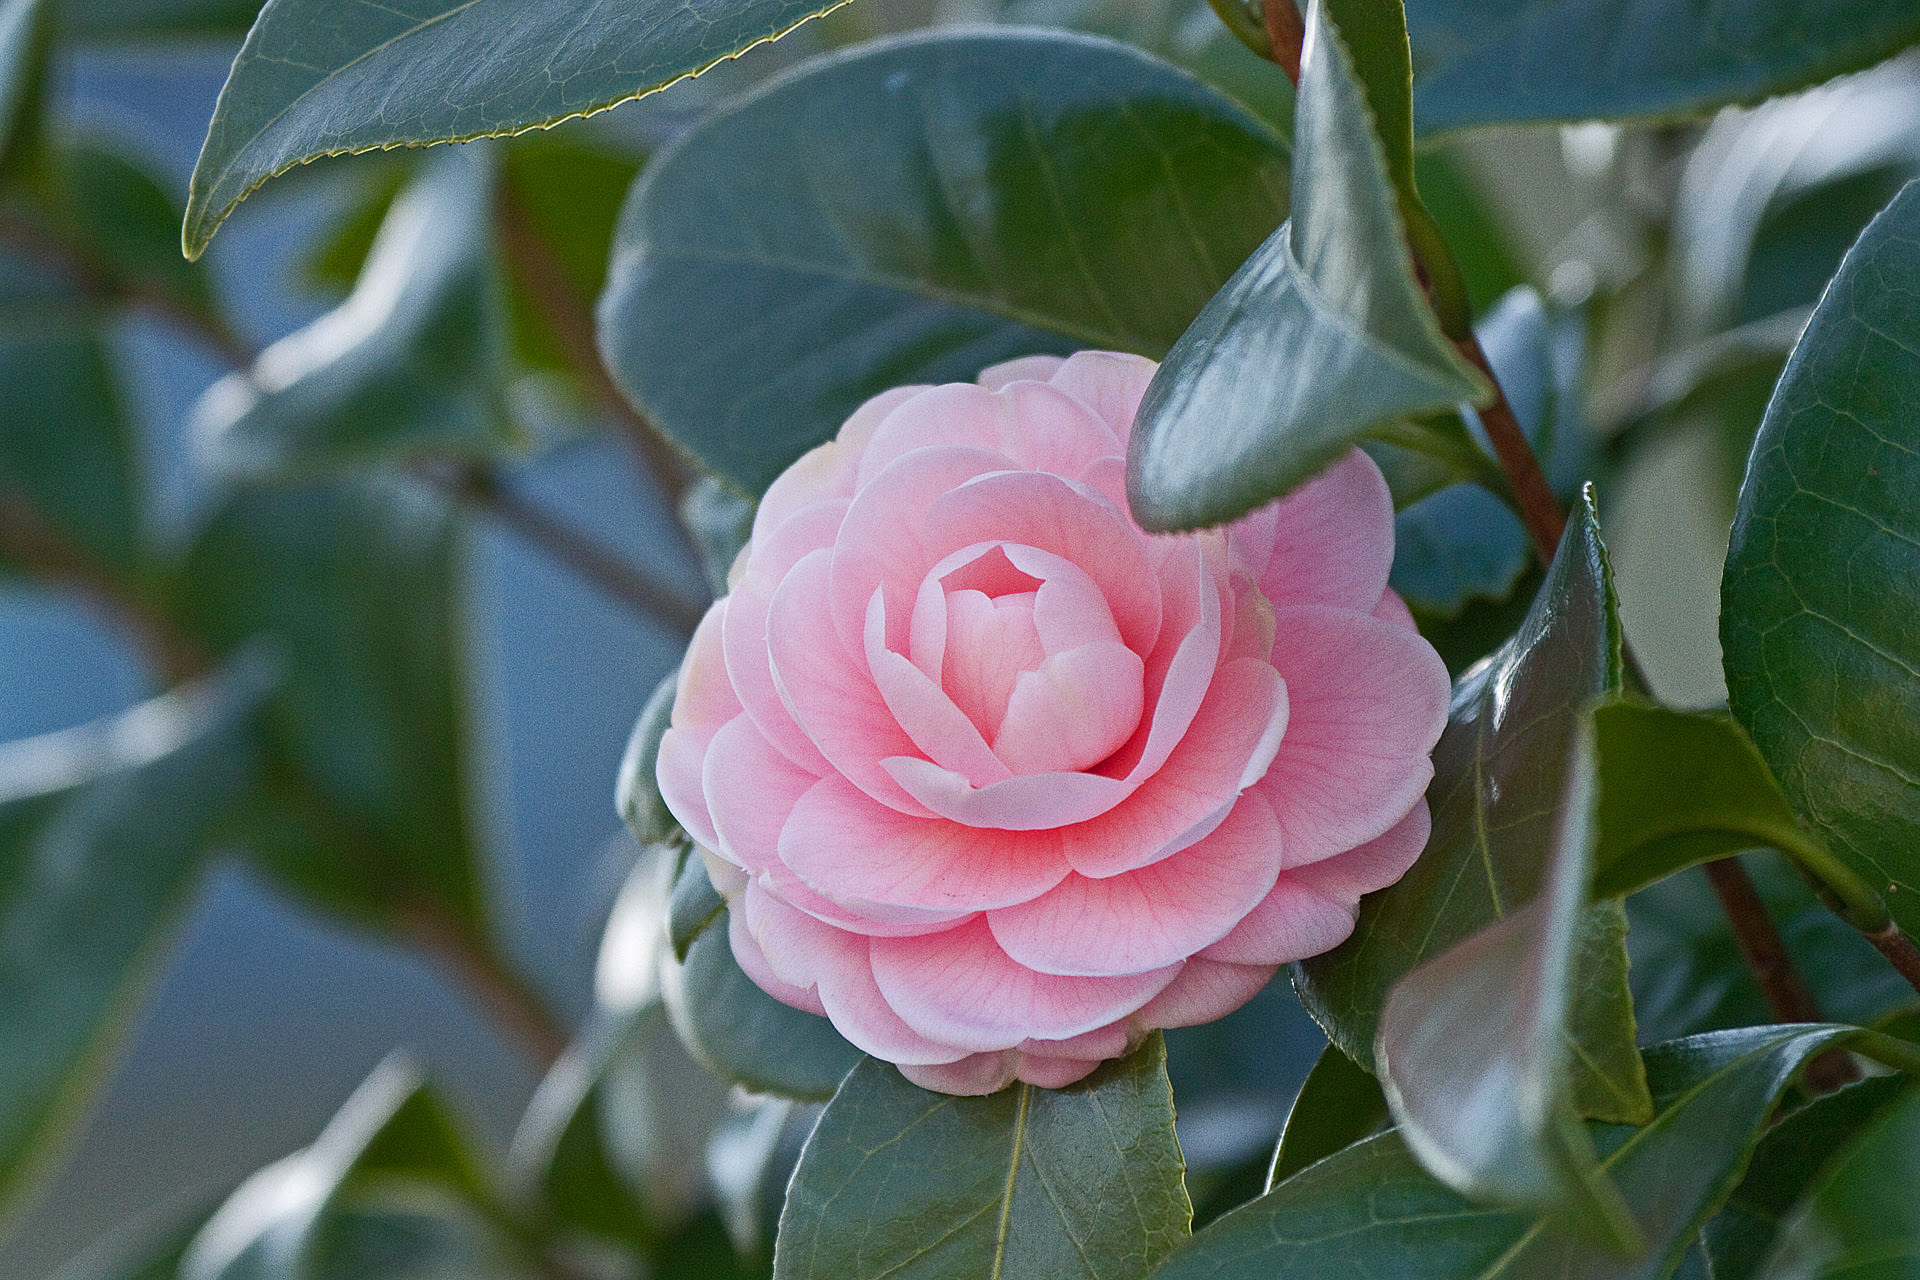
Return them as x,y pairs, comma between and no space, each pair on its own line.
22,46
694,907
333,77
1370,1208
107,202
1679,788
102,830
1474,1045
354,583
1498,771
1861,1221
923,207
1819,619
636,793
1321,338
1081,1183
412,364
1480,62
1688,974
1339,1104
285,1220
742,1034
142,19
68,487
1738,1238
721,522
612,1142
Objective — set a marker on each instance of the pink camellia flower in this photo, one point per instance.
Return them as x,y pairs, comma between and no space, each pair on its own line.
1000,783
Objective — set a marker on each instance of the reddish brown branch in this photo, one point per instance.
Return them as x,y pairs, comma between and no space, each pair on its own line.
1540,510
1900,952
1285,34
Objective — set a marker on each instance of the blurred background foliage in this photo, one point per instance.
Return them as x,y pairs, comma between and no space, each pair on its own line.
357,488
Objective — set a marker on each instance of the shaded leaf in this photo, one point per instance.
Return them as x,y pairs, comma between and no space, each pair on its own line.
102,831
106,201
694,907
1679,788
742,1034
329,77
636,793
721,522
1474,1045
1321,338
22,45
1498,770
923,207
296,1217
1785,1164
1081,1183
1819,622
354,582
1487,62
1368,1209
138,19
411,364
1861,1220
1340,1104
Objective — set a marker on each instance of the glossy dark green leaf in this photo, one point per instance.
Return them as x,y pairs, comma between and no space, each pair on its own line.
1688,974
636,795
1679,788
1785,1165
286,1220
1340,1104
924,207
1498,771
330,77
102,830
1861,1221
1819,619
1462,544
742,1034
1487,62
1371,1208
1321,338
411,364
354,583
1081,1183
1474,1045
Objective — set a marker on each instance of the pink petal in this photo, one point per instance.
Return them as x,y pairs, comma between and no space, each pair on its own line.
960,988
974,1076
923,709
1205,991
1152,917
1072,711
1021,369
683,752
830,697
989,644
1069,520
750,789
702,694
1393,609
828,471
1182,662
1312,908
804,952
862,854
744,634
1025,802
1369,700
1328,542
1054,1073
1040,427
753,962
1241,724
954,414
1109,383
1100,1043
1068,607
884,540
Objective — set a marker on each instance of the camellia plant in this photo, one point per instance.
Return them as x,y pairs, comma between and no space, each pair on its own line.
1153,465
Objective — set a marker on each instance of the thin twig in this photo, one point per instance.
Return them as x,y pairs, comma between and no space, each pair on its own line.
1786,991
1899,950
568,314
1540,510
1286,32
623,581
